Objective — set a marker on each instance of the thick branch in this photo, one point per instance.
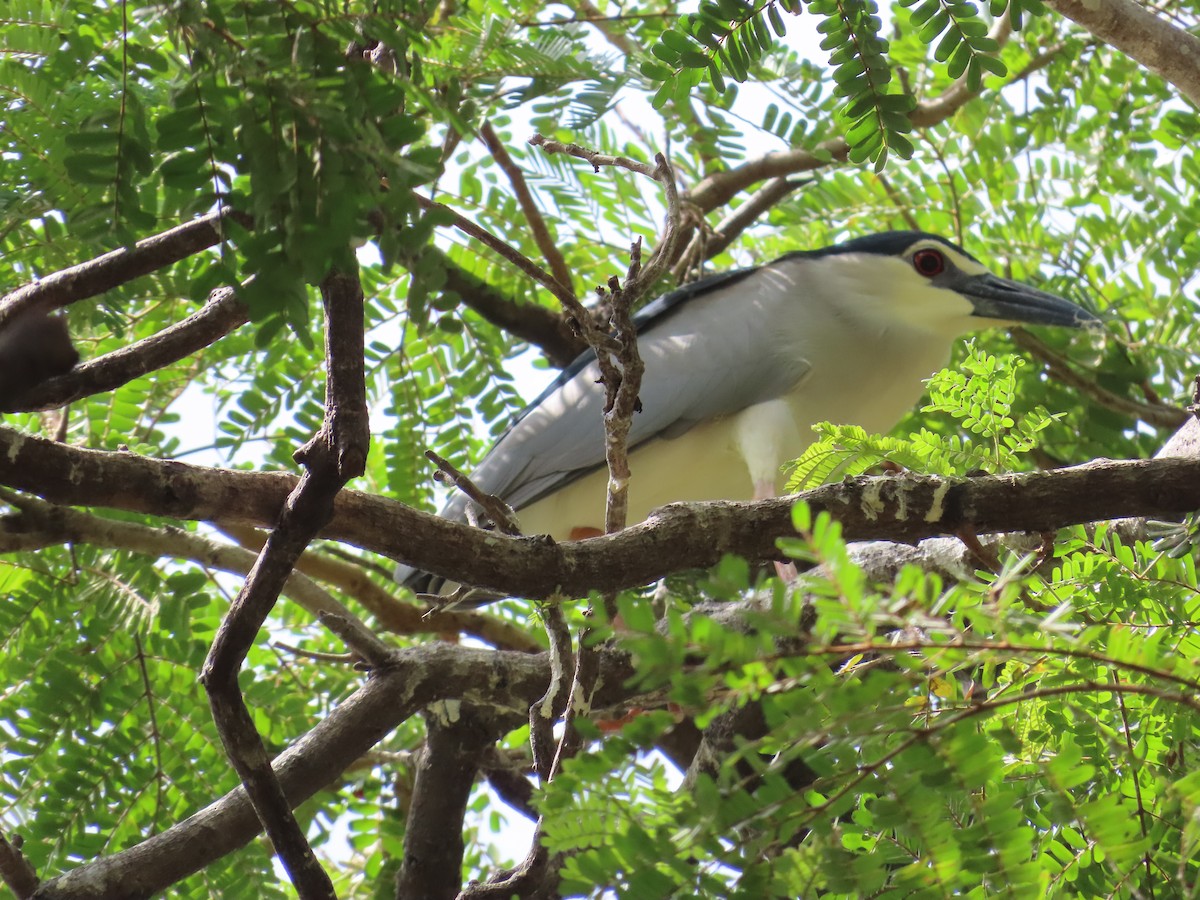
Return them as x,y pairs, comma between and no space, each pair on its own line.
676,537
539,325
457,741
15,869
1151,40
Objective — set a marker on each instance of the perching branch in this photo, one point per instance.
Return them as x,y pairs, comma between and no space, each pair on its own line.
677,537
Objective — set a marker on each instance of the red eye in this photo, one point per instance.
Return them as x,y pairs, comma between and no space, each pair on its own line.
929,263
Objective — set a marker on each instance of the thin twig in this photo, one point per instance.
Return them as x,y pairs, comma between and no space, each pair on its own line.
514,256
533,215
706,246
594,157
1160,416
315,656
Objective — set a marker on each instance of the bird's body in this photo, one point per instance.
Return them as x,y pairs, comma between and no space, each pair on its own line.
736,450
740,366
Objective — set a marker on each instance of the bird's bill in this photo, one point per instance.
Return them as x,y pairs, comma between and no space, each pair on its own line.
1010,301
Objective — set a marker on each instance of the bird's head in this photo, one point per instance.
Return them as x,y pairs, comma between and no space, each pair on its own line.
911,279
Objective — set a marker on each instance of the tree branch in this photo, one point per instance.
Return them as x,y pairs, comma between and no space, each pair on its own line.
119,267
677,537
392,614
706,246
564,293
539,325
218,317
721,187
533,215
1160,415
593,157
18,875
415,678
457,740
337,453
39,524
1151,40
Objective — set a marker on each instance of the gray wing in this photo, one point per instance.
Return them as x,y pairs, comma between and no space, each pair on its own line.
708,351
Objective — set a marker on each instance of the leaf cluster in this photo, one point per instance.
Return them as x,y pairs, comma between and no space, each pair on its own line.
979,395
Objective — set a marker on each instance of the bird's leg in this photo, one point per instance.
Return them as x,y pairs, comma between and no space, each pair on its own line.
765,490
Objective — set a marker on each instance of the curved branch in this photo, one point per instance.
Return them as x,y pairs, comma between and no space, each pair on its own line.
719,188
676,537
1160,415
539,325
337,453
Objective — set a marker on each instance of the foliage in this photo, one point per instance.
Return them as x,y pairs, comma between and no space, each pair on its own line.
962,740
1029,732
979,393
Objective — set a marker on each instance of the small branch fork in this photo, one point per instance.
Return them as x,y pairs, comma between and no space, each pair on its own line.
337,453
493,507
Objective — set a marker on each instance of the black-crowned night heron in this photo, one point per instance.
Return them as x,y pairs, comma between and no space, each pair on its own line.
739,367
